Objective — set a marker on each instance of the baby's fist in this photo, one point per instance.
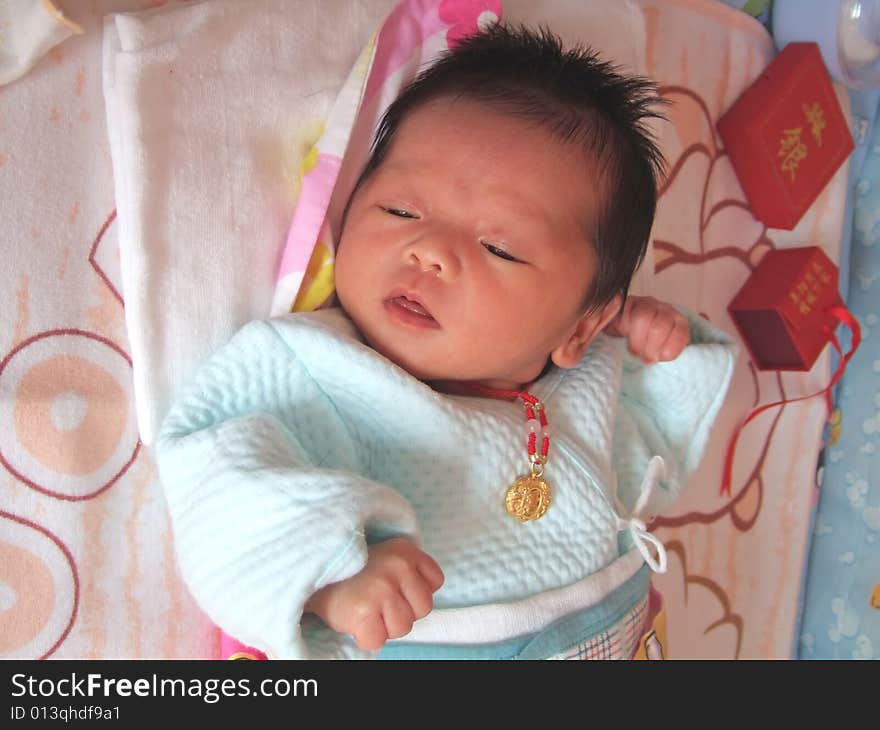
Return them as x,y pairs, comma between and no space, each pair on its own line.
655,331
383,601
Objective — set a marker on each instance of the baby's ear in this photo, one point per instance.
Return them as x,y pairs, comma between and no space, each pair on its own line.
572,350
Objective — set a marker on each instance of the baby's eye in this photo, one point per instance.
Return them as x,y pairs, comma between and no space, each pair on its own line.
500,253
400,213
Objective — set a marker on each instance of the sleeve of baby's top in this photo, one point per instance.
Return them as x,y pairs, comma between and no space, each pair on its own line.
668,409
267,505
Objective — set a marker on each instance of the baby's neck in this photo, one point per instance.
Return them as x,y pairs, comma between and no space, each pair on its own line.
461,387
477,387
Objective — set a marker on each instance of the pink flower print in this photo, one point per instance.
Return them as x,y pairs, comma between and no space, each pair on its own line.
467,17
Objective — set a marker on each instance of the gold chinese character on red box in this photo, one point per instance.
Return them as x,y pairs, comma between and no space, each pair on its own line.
786,136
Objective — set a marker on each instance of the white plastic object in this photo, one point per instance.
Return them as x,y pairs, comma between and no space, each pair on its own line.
847,32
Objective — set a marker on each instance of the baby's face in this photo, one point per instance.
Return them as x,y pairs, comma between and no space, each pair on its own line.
465,255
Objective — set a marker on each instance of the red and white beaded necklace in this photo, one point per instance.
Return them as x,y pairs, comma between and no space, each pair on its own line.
529,496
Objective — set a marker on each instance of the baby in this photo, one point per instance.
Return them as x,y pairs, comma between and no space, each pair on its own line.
460,442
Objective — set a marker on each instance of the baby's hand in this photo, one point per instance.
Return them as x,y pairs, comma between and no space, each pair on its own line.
382,602
655,331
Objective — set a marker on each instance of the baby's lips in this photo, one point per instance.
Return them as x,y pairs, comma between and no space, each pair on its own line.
413,306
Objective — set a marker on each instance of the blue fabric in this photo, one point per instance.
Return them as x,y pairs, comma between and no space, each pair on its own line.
843,569
863,119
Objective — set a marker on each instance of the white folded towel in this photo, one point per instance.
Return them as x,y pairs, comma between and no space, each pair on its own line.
211,109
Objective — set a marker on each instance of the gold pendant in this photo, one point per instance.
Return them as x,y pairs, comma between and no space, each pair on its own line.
527,498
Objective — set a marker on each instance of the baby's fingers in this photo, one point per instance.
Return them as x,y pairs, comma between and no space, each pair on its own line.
370,632
430,571
398,616
418,586
677,340
419,594
656,337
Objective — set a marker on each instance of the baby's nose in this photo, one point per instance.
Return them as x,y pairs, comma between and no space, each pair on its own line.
425,262
434,254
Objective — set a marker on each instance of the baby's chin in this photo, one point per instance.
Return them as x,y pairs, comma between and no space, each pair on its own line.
446,376
428,371
405,361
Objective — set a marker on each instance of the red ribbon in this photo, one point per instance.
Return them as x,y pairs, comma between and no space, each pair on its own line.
841,314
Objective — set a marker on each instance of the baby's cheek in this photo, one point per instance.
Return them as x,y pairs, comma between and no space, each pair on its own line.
346,280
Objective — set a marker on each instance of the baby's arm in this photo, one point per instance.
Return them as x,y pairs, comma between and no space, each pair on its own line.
384,599
655,331
669,410
266,492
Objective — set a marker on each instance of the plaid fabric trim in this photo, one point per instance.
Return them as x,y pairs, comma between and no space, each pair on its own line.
616,642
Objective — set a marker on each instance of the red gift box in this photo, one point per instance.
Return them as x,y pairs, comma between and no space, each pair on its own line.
786,136
783,312
786,313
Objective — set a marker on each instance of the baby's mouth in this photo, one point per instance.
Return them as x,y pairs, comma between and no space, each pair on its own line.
410,311
412,305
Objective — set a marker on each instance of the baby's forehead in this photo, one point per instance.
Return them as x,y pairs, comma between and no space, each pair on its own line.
445,123
500,151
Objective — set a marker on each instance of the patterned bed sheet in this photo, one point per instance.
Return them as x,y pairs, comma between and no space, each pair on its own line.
87,565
